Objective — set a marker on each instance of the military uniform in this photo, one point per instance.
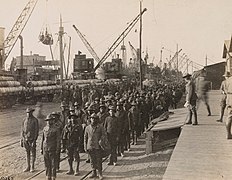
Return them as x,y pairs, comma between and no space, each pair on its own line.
29,135
72,134
112,130
92,136
191,99
59,126
49,147
122,128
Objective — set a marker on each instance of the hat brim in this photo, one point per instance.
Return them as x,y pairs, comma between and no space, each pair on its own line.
188,75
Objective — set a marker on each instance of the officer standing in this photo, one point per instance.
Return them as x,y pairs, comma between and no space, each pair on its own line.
72,135
223,99
191,99
93,133
49,147
133,119
29,135
202,88
112,130
59,126
229,106
122,126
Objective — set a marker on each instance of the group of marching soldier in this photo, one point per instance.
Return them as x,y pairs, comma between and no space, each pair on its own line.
120,117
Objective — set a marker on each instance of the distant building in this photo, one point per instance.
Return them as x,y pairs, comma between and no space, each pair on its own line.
37,65
214,74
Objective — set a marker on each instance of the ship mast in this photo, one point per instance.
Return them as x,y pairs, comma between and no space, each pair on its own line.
61,33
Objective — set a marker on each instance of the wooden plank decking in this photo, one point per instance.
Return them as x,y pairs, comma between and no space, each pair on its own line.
202,152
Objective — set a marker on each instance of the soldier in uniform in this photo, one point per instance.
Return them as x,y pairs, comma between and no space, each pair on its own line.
29,135
122,127
64,116
93,133
102,114
59,126
64,112
49,147
191,99
72,135
202,88
112,130
39,115
228,87
223,99
133,119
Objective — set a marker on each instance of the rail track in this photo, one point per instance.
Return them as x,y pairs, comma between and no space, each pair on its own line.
83,177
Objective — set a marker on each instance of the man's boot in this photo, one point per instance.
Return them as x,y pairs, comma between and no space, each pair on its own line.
208,109
94,174
70,172
228,129
195,122
77,172
100,174
33,165
189,118
28,163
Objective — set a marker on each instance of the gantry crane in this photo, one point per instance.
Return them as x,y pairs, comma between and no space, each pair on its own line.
17,29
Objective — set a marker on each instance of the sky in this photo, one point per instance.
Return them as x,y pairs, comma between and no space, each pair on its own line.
198,27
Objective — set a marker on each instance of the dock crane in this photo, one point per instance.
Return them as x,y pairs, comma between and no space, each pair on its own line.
113,46
119,39
87,45
17,29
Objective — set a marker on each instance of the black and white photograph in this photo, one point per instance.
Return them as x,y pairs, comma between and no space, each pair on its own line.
115,89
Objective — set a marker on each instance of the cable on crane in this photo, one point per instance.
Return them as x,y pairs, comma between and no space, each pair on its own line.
45,35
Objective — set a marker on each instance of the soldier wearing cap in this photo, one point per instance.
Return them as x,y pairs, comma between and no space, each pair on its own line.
59,126
78,111
223,98
49,147
64,112
29,135
191,99
202,88
122,127
112,130
102,114
133,119
38,113
93,133
72,134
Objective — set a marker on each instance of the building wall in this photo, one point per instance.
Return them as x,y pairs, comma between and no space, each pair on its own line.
215,74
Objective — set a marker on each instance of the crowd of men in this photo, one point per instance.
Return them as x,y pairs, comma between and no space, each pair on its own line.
92,118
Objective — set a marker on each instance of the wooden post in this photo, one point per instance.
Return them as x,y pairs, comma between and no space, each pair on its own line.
149,136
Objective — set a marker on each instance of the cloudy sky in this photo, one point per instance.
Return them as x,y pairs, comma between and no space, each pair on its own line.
199,27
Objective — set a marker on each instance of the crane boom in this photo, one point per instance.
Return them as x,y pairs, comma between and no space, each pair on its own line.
18,27
133,50
87,45
119,39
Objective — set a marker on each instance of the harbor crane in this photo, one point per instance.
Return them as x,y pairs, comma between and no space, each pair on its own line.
119,40
16,30
113,46
87,45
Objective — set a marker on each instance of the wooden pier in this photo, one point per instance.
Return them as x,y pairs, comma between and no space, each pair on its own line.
202,152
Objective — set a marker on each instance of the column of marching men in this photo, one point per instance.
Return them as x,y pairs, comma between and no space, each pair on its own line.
119,113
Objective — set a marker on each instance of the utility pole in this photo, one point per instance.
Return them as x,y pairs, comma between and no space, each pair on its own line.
177,68
21,51
61,32
206,60
160,63
187,64
140,48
